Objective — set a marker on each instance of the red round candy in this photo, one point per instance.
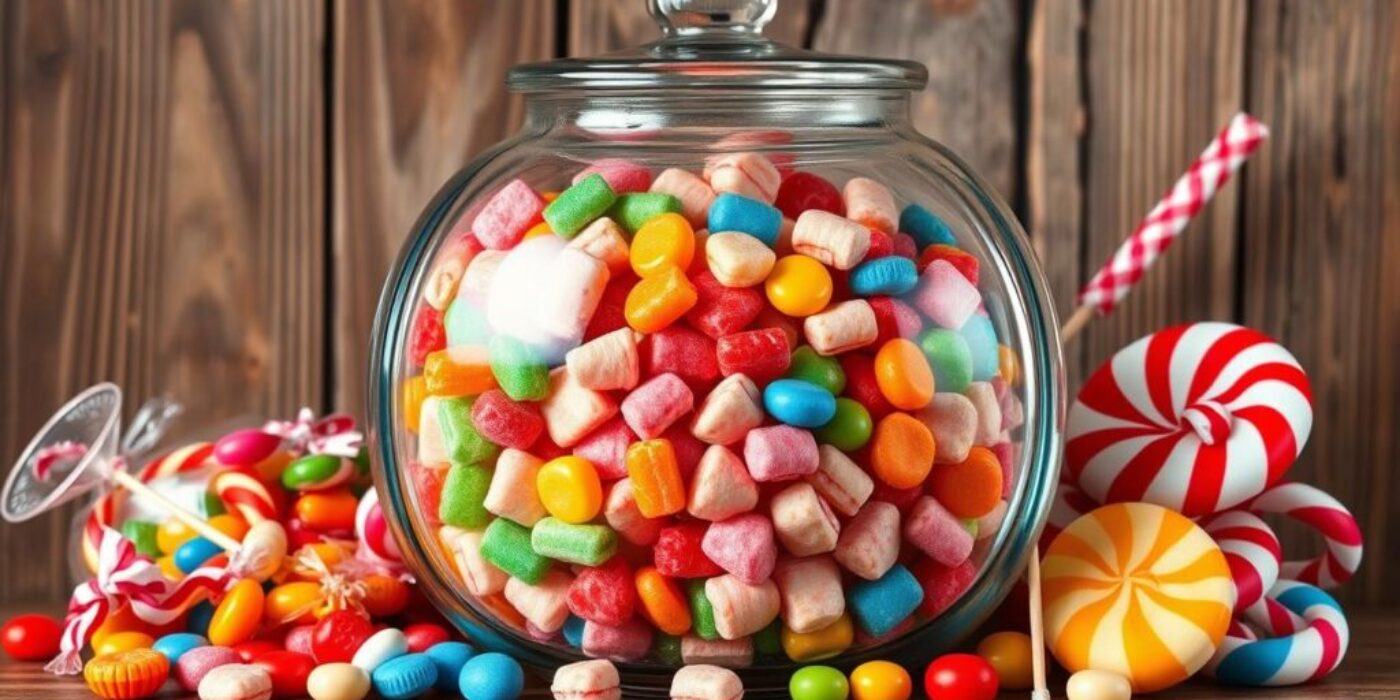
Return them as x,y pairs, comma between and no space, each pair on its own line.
338,635
253,649
803,191
288,670
31,637
960,677
299,639
423,635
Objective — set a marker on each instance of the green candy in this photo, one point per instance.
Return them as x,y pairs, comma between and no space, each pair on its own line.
702,613
579,205
818,683
589,545
211,505
463,501
811,367
634,209
143,535
518,369
849,429
667,649
950,357
312,472
970,524
769,640
465,324
463,442
507,546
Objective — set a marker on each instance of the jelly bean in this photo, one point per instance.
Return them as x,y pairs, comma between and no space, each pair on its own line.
799,403
460,370
194,552
881,680
569,489
655,472
1009,654
327,511
1008,365
518,369
902,451
143,534
288,670
449,657
809,366
579,205
823,643
338,635
491,676
316,472
338,681
122,641
245,447
664,241
818,683
960,677
197,620
238,614
1090,684
632,210
126,675
384,595
848,430
236,682
229,524
926,227
662,601
802,191
407,676
293,602
30,637
903,374
252,649
798,286
173,533
173,646
659,300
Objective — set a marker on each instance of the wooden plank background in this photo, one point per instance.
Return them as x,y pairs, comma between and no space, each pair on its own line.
201,197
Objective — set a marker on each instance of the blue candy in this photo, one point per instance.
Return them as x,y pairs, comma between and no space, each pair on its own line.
173,646
925,226
879,606
732,212
573,631
981,337
799,403
491,676
197,621
891,276
449,657
195,552
406,676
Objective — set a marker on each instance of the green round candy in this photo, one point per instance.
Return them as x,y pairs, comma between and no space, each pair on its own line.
143,535
849,429
811,367
769,640
465,324
668,649
818,683
312,472
950,357
518,369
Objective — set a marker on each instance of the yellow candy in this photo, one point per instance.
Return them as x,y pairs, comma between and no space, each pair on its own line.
238,615
415,389
230,525
569,489
1009,653
663,241
540,229
798,286
1008,366
168,568
821,644
881,680
659,300
293,602
122,641
171,534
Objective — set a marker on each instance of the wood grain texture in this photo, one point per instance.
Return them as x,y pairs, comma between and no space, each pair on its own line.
1320,244
161,224
419,90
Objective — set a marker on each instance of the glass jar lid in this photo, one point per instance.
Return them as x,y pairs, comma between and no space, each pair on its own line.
709,44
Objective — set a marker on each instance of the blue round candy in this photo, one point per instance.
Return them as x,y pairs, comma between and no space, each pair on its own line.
197,621
799,403
406,676
194,553
892,275
449,657
573,631
173,646
491,676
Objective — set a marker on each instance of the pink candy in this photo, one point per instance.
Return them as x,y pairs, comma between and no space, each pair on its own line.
652,407
629,641
869,544
780,453
840,481
741,609
945,296
196,663
805,524
621,175
694,193
811,594
505,422
503,221
747,174
743,546
721,486
731,410
572,411
953,421
938,533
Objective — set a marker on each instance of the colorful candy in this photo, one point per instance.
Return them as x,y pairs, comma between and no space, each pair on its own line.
818,683
236,682
407,676
338,681
960,677
126,675
491,676
30,637
1090,684
1009,654
881,680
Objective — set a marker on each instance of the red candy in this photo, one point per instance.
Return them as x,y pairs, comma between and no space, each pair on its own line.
905,246
881,245
803,191
942,585
338,635
721,310
862,386
893,319
422,635
686,353
427,482
31,637
900,498
428,335
253,649
288,670
610,314
960,677
960,259
761,355
604,594
678,555
298,639
688,448
506,422
606,448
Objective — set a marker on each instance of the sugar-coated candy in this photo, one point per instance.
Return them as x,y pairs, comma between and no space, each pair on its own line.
953,421
663,241
684,352
926,227
870,203
736,213
841,328
570,489
652,407
970,488
893,276
679,551
479,576
491,676
236,682
659,300
575,543
623,515
721,486
544,604
862,384
729,412
464,323
431,448
981,337
945,296
728,653
609,361
288,671
569,293
841,482
628,641
519,370
830,239
502,221
780,453
721,310
595,679
407,676
238,615
741,609
879,605
196,663
1009,654
579,205
173,646
818,683
572,410
743,546
316,472
339,681
809,365
937,532
965,262
737,259
818,644
988,406
606,241
798,286
869,542
810,592
605,593
1090,684
894,319
386,644
702,613
655,474
960,677
692,195
506,545
606,448
458,371
464,496
662,601
126,675
762,354
621,175
803,521
799,403
462,441
903,374
512,493
749,174
505,422
449,657
706,682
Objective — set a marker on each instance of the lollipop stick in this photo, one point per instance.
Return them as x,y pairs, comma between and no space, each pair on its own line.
1042,691
174,509
1077,321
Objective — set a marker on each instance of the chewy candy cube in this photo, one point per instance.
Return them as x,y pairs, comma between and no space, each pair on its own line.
811,593
633,210
464,370
721,486
506,545
870,203
863,385
609,361
741,609
659,300
702,613
804,523
830,239
823,371
892,276
988,406
925,226
738,260
589,545
543,603
513,493
606,448
683,352
743,546
881,605
629,641
720,310
503,221
621,512
579,205
595,679
568,293
462,442
652,407
441,286
728,653
679,551
606,241
662,601
780,453
463,497
748,174
621,175
840,482
464,323
959,258
605,593
518,369
842,328
763,355
937,533
945,296
869,544
571,410
704,682
692,195
942,585
475,288
824,643
505,422
656,478
732,212
981,337
479,576
953,421
728,413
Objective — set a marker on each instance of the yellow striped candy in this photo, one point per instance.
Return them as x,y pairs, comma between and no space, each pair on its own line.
1139,590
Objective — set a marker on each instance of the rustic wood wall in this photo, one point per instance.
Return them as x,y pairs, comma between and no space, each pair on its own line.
201,196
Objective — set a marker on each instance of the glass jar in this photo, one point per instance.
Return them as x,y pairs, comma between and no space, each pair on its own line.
715,110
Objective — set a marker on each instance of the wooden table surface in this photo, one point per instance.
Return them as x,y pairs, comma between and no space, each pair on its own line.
1370,670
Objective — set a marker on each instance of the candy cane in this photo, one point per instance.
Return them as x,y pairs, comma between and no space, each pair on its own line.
1301,656
1251,549
191,457
1322,512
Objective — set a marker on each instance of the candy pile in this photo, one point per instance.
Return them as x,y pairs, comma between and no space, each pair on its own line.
703,416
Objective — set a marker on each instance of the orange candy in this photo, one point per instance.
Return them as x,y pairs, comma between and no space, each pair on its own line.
540,229
663,603
269,471
658,300
327,511
122,641
901,453
463,370
239,614
384,595
663,241
903,374
230,525
1008,365
294,602
656,478
415,389
127,675
971,488
124,620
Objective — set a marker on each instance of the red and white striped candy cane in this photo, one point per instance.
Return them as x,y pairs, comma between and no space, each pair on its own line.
1251,549
104,510
1325,514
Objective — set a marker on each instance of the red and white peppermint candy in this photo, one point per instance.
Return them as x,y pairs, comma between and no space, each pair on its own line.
1198,418
1251,549
1320,511
376,543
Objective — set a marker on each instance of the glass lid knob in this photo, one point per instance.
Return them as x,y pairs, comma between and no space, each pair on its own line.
711,17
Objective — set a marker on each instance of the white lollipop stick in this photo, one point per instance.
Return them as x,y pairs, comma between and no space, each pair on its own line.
174,510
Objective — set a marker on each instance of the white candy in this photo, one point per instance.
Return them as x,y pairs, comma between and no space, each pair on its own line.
694,193
842,328
738,259
833,240
481,577
840,481
721,486
513,494
543,604
381,646
810,589
607,362
803,522
572,411
732,409
606,241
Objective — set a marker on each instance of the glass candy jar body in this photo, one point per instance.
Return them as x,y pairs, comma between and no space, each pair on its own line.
838,135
